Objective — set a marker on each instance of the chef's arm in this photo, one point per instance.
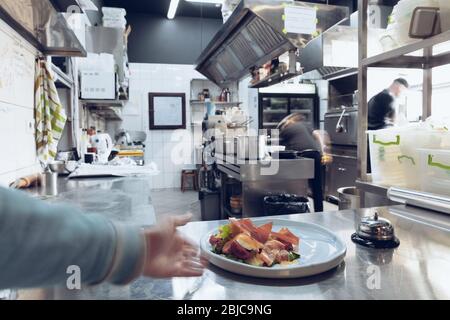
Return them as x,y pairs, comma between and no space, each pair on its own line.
39,242
324,140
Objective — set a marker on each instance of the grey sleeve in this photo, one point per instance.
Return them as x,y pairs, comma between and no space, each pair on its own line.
38,242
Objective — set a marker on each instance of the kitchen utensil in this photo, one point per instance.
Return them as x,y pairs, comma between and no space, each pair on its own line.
320,250
58,167
375,232
49,183
104,145
89,157
25,182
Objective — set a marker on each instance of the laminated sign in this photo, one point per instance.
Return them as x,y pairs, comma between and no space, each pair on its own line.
301,20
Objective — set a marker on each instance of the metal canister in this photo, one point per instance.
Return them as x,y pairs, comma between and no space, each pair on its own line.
49,183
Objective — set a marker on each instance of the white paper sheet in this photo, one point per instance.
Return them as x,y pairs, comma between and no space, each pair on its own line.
300,20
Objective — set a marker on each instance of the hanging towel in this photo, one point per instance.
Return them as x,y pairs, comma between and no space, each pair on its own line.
50,116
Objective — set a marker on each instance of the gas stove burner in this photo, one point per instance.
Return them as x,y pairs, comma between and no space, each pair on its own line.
376,244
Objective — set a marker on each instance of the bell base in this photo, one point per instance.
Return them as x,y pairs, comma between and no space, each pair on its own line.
376,244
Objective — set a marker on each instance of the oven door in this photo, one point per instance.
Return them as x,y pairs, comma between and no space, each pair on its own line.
348,124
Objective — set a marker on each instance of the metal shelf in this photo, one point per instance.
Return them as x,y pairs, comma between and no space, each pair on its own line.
408,56
103,103
372,188
273,79
62,78
217,103
402,58
108,113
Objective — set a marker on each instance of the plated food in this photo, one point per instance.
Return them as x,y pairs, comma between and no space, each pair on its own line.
242,241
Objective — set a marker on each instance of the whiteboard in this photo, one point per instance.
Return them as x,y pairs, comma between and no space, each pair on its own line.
168,111
16,68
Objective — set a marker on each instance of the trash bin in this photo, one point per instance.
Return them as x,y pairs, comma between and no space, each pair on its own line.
209,204
349,198
285,204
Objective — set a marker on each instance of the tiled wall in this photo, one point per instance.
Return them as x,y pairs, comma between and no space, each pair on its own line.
161,145
17,147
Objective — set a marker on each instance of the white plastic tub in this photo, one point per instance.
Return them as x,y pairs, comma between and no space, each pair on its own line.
435,171
394,154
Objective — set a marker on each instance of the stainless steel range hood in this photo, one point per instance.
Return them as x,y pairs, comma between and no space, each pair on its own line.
334,52
42,25
255,34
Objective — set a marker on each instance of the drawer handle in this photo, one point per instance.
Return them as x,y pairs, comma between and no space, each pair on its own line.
392,143
408,158
431,163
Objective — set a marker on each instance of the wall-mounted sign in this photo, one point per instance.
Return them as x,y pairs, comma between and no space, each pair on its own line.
167,111
300,20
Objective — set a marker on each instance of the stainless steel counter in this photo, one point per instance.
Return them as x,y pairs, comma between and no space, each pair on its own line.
417,269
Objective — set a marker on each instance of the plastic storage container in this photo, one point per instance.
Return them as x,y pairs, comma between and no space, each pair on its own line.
395,157
444,6
434,171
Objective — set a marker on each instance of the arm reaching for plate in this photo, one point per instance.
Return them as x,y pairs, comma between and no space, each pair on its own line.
168,253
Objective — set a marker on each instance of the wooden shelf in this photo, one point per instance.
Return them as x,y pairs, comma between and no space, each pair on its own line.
402,58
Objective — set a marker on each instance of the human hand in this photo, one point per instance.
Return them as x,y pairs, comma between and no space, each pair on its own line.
327,159
169,254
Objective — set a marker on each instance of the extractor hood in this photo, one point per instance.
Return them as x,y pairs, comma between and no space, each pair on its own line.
40,23
335,52
261,30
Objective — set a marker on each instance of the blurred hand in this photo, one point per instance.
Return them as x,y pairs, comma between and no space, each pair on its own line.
168,253
327,159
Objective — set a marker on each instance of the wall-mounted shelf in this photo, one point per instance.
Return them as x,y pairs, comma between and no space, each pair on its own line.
107,113
216,103
103,103
273,79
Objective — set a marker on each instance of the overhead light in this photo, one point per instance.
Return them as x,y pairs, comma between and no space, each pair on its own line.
172,9
216,2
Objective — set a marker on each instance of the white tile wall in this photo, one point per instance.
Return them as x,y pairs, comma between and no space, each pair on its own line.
17,146
162,146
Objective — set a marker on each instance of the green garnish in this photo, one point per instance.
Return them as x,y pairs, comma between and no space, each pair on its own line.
224,232
293,256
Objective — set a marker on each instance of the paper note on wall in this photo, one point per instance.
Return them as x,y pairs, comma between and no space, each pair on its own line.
300,20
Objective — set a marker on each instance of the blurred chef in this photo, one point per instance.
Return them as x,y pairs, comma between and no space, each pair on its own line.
381,108
297,135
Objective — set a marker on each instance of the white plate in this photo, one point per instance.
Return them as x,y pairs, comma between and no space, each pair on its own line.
320,250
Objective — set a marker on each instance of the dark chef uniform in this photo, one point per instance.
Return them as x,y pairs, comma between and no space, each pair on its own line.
298,137
380,108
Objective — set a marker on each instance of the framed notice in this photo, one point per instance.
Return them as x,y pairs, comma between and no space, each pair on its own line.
167,111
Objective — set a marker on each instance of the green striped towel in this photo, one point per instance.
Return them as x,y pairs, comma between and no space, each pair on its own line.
50,116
